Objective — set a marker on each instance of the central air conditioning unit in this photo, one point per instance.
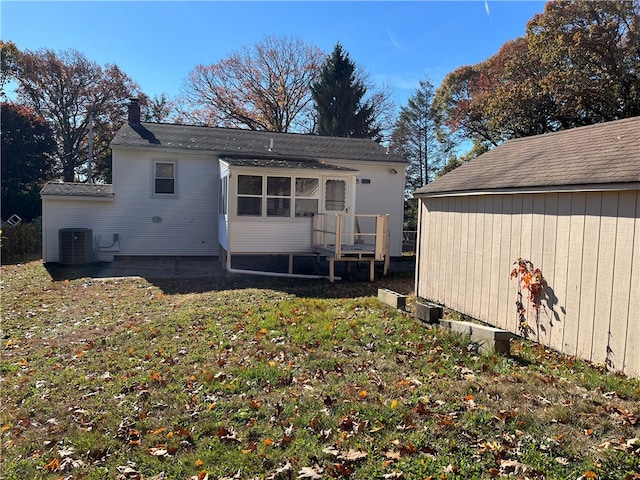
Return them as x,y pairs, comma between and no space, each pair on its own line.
76,246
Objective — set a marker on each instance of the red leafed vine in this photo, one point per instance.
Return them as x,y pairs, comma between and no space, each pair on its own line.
530,280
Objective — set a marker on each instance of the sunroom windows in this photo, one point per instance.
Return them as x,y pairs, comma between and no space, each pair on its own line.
277,196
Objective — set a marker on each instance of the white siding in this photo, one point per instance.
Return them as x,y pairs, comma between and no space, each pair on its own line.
586,244
384,195
188,222
96,215
270,235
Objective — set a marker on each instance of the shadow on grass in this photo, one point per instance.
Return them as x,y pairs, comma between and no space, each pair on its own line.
61,273
402,282
354,280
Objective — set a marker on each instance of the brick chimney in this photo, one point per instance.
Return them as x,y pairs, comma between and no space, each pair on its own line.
134,112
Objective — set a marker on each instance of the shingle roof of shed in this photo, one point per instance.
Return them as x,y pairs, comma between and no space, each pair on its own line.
606,153
250,143
77,190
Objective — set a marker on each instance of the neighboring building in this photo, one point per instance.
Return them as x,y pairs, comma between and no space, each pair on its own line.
200,191
567,201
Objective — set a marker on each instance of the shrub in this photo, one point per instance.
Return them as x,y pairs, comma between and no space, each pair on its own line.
22,242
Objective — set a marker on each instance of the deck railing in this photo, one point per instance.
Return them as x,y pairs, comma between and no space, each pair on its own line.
349,234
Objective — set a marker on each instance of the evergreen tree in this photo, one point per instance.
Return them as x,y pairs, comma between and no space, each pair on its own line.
339,100
415,138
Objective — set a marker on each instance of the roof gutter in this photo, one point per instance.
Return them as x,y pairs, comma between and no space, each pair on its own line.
604,187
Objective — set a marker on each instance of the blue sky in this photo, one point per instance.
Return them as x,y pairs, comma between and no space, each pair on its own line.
157,43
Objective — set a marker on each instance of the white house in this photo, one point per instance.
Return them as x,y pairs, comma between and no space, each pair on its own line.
567,201
183,190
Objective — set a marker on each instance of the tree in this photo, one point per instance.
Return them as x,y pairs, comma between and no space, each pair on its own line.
338,96
415,138
262,87
591,50
65,88
158,108
9,55
578,64
27,160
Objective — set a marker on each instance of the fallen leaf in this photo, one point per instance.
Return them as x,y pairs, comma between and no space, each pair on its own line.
286,468
394,475
511,466
311,472
158,451
353,455
53,465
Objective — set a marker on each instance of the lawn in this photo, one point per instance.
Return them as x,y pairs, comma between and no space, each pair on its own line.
244,378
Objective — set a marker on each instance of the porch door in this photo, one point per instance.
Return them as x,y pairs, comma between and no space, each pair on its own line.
337,201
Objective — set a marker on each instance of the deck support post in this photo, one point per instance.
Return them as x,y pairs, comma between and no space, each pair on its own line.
332,269
372,270
290,263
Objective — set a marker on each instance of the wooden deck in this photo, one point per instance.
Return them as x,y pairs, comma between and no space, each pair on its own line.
355,244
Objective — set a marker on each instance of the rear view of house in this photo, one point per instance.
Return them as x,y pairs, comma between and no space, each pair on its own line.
200,191
567,201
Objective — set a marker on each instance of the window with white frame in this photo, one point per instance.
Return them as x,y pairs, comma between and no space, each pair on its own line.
223,195
164,178
277,196
306,196
249,195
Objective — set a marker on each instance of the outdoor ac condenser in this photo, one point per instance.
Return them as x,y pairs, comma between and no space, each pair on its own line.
76,246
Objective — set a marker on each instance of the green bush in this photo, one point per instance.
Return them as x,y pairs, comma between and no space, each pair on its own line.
22,242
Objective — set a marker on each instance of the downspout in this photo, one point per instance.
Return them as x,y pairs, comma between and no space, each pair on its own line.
275,274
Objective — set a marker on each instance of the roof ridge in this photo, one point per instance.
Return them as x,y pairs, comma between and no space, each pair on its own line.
265,132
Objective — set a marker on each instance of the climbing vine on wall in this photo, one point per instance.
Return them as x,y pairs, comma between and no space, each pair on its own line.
532,284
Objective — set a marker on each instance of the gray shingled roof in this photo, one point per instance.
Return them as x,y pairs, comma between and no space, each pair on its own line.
606,153
251,143
77,190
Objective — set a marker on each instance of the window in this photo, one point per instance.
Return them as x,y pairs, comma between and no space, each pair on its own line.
335,196
164,177
277,196
223,192
306,197
250,195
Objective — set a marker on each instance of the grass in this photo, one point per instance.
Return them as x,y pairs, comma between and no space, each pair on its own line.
248,377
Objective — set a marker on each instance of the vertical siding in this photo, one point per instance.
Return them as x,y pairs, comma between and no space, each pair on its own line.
493,292
546,252
632,346
573,293
588,280
586,244
459,269
556,312
505,290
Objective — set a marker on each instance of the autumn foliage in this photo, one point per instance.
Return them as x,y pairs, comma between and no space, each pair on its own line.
532,283
577,65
